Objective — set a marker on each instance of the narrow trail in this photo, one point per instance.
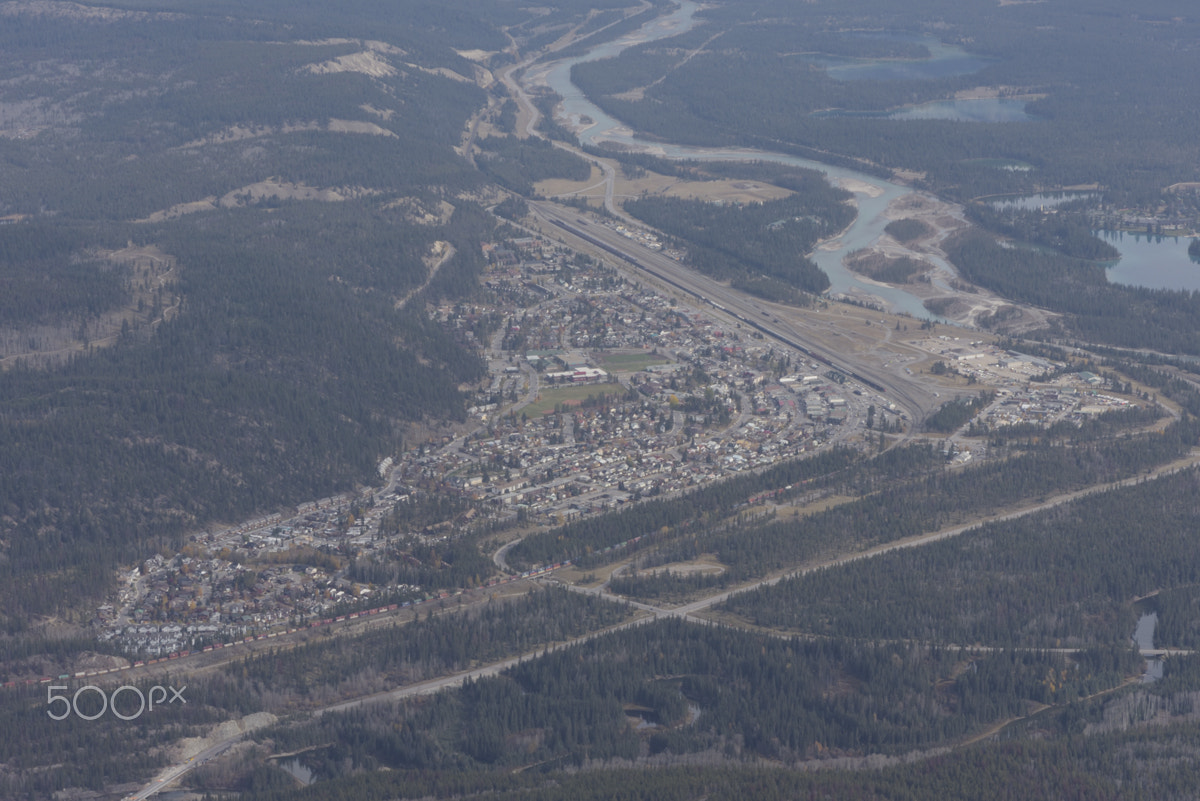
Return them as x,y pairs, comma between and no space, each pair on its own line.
448,252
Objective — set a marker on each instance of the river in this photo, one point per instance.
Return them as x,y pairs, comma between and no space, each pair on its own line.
1144,264
872,195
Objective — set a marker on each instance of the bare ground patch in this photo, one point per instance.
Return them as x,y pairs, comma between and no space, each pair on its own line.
592,186
272,189
359,127
237,133
989,92
153,273
416,211
724,190
368,62
732,191
625,188
858,186
706,566
939,285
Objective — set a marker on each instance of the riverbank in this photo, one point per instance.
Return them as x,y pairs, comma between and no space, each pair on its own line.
937,291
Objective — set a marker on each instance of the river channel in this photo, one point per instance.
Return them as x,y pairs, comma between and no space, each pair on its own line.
1143,265
872,195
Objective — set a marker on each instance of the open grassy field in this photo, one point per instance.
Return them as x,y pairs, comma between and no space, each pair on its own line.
652,183
569,395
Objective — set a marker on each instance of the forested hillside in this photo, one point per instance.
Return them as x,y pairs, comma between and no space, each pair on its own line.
214,215
286,375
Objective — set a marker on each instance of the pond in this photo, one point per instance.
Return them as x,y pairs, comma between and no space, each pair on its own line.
1143,638
945,61
298,771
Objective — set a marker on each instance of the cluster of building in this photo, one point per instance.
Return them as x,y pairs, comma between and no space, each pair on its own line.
658,432
679,398
1058,402
986,362
644,238
236,581
601,392
1055,397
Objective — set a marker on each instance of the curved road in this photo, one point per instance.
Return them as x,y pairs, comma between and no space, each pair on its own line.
782,323
175,772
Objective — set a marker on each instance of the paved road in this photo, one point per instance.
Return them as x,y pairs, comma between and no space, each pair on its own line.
652,612
175,772
906,391
781,321
692,608
500,557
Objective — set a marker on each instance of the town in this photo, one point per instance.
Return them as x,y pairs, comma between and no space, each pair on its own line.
602,391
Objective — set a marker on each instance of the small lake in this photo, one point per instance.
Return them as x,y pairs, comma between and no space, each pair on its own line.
1156,262
986,109
1042,200
945,61
1143,638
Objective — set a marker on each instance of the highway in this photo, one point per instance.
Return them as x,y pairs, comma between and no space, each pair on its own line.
784,324
175,772
689,610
